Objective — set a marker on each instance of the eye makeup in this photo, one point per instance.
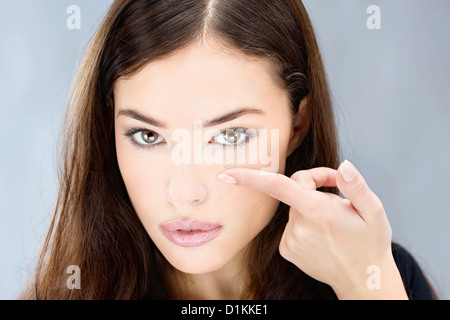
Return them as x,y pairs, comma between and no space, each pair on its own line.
143,138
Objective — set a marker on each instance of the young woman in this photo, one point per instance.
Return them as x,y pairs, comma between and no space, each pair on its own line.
149,209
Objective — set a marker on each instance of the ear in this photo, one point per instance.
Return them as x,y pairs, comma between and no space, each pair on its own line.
300,126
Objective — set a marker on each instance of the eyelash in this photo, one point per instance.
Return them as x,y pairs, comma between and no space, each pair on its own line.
249,135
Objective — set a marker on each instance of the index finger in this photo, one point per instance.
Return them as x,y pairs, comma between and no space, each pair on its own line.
315,178
275,185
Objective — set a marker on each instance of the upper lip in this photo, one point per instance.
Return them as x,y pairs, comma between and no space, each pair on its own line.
175,225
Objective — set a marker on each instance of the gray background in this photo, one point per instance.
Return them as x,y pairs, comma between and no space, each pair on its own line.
390,88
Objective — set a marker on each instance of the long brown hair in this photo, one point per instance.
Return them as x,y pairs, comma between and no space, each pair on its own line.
94,225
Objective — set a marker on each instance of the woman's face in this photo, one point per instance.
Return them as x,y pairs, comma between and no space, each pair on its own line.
171,122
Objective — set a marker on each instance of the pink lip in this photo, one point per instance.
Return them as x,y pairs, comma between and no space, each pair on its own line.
190,233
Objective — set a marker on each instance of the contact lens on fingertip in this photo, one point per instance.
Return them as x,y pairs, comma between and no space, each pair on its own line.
226,178
267,173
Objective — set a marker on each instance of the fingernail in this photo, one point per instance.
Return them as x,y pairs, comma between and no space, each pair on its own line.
226,178
348,171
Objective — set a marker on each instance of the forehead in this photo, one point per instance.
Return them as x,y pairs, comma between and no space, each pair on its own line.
199,82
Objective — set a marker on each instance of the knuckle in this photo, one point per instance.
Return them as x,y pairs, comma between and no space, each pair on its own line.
283,248
321,216
374,204
297,175
315,205
294,236
378,208
297,231
359,187
304,178
378,204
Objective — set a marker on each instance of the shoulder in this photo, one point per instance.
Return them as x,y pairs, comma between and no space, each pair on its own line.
414,280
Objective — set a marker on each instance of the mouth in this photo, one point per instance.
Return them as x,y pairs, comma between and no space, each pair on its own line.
190,233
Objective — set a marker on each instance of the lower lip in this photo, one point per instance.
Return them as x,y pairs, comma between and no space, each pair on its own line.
192,239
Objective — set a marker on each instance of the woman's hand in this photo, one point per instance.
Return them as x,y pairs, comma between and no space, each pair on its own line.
345,243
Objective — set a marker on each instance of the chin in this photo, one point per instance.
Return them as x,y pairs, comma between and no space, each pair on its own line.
198,260
196,265
196,269
202,259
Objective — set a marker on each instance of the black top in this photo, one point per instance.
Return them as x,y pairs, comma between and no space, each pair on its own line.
416,285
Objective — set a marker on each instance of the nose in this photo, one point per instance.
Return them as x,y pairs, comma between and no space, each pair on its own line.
186,188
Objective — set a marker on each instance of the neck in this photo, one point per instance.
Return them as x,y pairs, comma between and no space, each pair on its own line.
228,282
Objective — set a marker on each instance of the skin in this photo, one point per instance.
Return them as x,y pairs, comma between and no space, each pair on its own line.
334,240
208,81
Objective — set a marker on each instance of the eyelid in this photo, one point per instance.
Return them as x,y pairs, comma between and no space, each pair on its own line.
133,131
249,135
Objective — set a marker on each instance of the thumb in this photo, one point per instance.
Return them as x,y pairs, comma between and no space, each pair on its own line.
353,186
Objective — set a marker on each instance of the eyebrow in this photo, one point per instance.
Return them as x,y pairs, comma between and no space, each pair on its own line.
209,123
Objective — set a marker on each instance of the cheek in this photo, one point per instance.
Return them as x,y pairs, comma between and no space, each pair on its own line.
246,212
138,173
259,215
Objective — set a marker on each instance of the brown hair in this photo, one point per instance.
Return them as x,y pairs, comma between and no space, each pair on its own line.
95,226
